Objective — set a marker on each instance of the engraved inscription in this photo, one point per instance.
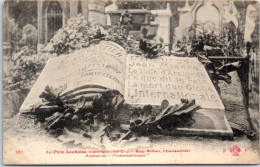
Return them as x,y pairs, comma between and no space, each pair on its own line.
149,81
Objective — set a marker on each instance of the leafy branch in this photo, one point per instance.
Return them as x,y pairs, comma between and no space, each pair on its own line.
96,119
145,121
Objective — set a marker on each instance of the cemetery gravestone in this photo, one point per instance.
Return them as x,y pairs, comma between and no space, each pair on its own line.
142,81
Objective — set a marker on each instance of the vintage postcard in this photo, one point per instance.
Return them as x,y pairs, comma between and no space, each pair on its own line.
93,82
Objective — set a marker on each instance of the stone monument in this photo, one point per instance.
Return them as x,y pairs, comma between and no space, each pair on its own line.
142,81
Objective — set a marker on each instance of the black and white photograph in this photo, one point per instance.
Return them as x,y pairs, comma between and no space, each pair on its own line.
127,82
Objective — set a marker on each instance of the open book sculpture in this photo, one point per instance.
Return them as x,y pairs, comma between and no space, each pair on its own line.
142,81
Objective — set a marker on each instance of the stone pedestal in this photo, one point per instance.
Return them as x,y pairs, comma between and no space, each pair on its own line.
185,21
163,22
96,12
73,8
